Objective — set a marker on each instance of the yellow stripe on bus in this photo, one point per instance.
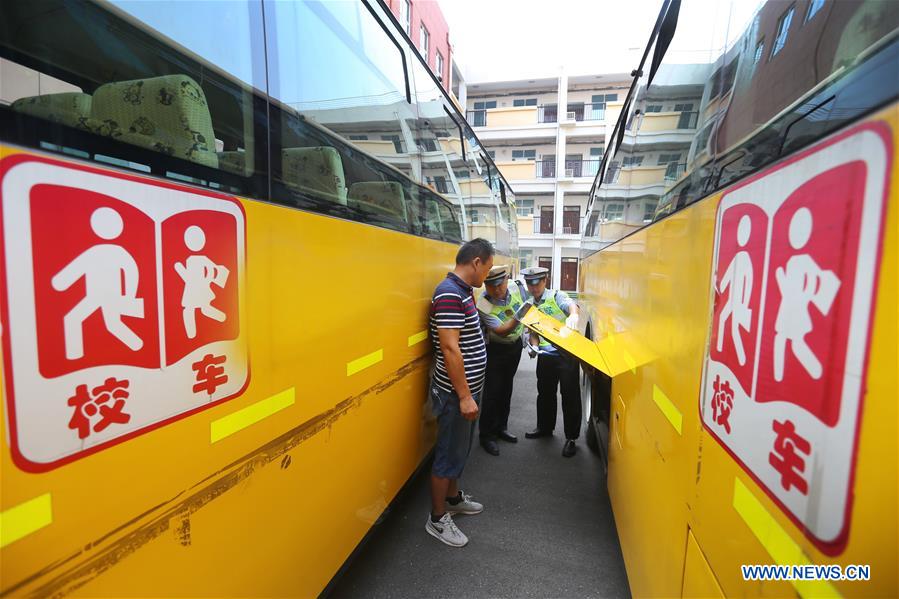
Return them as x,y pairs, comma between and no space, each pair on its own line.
668,408
782,549
364,362
250,415
417,338
25,518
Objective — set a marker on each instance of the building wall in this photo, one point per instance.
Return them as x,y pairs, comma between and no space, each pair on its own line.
428,12
558,141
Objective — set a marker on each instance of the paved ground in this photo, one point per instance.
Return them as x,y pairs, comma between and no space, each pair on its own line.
546,530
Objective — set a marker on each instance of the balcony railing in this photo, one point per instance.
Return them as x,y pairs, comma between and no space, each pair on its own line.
545,226
542,226
581,168
547,113
581,111
476,118
545,169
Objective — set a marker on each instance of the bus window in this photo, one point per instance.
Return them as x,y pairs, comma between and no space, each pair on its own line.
136,85
838,37
341,86
436,136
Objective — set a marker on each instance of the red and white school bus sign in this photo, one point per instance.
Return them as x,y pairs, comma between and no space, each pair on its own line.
122,305
797,252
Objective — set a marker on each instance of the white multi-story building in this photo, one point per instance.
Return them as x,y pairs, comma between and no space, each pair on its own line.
548,136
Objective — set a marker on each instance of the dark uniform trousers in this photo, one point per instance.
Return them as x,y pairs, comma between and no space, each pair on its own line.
502,364
561,371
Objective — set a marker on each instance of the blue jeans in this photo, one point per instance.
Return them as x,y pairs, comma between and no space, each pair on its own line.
454,433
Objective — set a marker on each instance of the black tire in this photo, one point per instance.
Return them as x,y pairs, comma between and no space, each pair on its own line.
588,394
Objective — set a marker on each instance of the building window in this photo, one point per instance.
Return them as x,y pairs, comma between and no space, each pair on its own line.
358,137
632,161
475,217
666,158
613,212
440,184
492,154
654,108
524,154
397,142
424,41
438,64
406,16
525,102
759,51
525,207
649,210
813,7
783,29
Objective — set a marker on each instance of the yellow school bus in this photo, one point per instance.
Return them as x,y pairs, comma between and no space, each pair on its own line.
740,285
221,227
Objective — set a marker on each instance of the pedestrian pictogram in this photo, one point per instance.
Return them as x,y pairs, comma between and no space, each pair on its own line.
796,254
123,286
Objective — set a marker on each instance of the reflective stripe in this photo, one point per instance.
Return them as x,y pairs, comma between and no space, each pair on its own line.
364,362
22,520
550,308
776,541
250,415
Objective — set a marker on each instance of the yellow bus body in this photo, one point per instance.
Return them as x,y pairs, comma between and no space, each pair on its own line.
339,360
687,514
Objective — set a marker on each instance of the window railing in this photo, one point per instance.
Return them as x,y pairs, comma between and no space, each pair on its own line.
688,120
545,169
476,118
547,113
543,226
581,168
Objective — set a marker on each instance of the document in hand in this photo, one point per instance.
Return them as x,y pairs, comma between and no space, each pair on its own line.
605,359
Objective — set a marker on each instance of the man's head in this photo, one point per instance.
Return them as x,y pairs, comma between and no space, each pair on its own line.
497,282
535,279
474,261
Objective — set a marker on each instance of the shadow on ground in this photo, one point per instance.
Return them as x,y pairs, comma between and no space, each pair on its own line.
546,530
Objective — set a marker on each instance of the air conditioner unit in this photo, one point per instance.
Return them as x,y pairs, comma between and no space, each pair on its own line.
569,172
571,116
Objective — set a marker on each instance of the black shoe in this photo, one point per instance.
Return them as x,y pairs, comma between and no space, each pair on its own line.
569,449
507,437
537,433
490,447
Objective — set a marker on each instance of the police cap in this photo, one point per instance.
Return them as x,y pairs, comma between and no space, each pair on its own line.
497,275
534,274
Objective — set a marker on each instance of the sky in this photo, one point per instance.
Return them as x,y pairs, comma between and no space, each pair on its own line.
507,40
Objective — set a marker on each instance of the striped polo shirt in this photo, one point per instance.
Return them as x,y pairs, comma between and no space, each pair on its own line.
453,307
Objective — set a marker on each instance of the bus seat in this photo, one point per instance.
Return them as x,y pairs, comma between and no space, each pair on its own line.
168,114
317,170
385,197
71,108
233,162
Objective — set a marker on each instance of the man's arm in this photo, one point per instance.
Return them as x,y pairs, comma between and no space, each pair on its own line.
455,368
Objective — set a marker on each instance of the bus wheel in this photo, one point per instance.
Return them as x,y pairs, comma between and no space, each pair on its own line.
588,394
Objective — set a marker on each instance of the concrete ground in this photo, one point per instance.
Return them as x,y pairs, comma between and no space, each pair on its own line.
546,531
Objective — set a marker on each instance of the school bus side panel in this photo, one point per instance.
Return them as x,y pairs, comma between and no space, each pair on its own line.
276,507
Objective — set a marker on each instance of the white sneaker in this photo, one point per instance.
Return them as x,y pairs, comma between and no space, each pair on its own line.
446,530
466,506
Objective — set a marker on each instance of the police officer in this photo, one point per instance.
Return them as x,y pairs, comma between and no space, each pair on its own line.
497,305
555,369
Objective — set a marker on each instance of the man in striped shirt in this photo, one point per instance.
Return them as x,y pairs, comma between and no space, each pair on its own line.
456,386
